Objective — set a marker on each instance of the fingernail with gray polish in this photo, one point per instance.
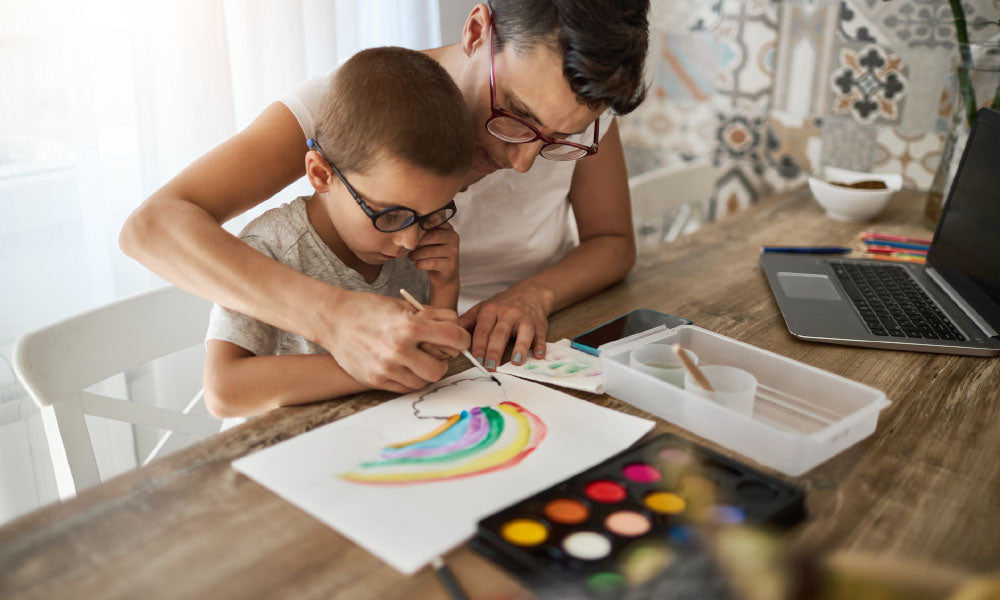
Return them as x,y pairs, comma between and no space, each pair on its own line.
517,357
480,359
491,364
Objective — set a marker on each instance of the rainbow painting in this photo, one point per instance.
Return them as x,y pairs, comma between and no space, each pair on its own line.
467,444
409,478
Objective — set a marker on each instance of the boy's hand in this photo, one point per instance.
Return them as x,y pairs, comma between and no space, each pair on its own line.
443,315
380,341
437,253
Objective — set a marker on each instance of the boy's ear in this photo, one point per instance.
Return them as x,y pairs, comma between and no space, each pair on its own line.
476,31
318,171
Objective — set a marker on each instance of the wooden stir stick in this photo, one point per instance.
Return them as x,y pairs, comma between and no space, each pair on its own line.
693,369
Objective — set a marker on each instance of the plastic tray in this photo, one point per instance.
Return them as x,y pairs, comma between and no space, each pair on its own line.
801,417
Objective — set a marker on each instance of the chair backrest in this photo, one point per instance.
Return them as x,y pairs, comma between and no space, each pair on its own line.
670,200
57,363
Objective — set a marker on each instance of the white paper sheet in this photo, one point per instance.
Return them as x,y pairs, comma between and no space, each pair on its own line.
408,524
564,366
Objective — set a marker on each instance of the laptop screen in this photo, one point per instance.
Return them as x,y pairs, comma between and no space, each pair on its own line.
966,247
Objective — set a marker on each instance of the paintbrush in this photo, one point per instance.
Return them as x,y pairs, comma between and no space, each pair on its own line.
448,579
417,305
693,369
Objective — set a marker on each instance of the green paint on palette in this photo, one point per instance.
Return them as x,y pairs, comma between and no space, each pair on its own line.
530,367
574,369
606,581
555,366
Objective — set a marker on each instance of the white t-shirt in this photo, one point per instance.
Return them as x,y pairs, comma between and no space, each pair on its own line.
511,225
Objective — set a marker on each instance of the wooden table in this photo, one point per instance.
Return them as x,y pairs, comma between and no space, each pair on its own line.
924,487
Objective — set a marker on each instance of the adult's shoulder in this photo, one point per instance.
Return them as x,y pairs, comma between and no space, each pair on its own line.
305,100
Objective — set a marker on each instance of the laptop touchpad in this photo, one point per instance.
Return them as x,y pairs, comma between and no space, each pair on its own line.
811,286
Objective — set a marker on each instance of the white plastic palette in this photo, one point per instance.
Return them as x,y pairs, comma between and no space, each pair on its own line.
801,417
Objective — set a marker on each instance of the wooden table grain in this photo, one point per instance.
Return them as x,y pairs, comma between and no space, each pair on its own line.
925,487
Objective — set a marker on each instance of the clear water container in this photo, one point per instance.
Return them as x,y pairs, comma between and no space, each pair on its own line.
801,415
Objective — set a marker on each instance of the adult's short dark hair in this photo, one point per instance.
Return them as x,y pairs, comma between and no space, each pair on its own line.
398,101
603,44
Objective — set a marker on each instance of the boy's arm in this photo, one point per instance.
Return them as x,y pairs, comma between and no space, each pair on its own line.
437,253
238,383
442,296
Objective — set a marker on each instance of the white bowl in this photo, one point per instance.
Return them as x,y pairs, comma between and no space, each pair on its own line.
853,204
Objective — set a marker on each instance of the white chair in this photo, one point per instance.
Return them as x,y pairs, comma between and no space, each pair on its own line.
670,201
57,363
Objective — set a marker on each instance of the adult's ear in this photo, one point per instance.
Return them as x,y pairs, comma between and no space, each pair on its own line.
476,32
318,171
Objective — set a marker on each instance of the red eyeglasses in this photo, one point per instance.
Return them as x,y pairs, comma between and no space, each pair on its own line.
514,130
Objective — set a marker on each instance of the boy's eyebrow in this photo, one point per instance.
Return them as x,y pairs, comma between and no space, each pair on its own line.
372,204
377,206
521,109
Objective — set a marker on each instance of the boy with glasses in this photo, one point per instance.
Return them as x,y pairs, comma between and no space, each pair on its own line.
388,157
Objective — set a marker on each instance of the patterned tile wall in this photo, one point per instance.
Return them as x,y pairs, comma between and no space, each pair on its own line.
773,90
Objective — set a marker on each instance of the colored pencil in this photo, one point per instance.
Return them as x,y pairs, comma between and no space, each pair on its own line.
889,244
417,305
893,238
906,259
807,249
448,579
921,257
891,250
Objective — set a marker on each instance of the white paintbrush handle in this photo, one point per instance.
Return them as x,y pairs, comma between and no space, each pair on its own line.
417,305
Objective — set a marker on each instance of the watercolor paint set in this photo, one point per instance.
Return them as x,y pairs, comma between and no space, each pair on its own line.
631,521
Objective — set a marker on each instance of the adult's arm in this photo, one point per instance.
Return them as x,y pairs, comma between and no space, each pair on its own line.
600,199
177,233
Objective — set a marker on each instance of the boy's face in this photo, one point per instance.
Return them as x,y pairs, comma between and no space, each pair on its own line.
530,85
386,182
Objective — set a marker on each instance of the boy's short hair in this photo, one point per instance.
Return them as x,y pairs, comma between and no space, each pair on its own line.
400,101
603,44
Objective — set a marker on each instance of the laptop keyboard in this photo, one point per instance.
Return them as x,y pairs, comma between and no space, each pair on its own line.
892,304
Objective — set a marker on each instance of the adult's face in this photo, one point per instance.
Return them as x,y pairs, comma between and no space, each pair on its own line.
530,84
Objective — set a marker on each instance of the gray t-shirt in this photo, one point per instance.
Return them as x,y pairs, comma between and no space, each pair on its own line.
286,235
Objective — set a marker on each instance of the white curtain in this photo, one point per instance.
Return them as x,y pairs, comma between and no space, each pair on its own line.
102,102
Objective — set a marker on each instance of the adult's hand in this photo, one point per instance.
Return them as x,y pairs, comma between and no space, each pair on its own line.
600,200
383,343
520,312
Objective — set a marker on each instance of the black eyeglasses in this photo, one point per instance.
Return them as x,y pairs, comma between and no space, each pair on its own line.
394,218
515,130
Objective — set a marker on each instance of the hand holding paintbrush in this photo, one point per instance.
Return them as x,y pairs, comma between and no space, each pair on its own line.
417,305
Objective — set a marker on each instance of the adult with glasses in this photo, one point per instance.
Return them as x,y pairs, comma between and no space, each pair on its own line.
541,79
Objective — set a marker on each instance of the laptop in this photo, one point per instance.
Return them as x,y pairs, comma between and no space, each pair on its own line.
950,305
